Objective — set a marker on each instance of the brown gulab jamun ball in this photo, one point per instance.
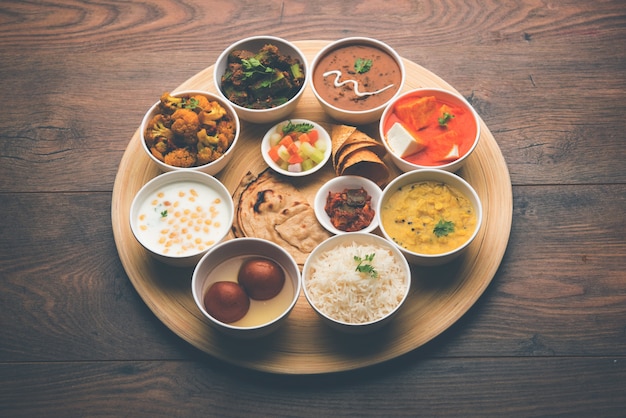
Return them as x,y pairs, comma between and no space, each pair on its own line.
261,278
226,301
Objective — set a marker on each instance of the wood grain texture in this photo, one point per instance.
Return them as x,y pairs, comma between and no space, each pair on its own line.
547,337
482,388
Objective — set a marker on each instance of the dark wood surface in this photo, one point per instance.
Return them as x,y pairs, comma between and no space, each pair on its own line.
547,338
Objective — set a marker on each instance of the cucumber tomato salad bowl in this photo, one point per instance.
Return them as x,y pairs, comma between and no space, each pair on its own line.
296,147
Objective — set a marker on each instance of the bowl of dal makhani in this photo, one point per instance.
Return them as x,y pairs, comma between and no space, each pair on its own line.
429,128
430,215
355,78
356,282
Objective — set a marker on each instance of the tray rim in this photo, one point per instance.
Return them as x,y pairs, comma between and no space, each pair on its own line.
143,169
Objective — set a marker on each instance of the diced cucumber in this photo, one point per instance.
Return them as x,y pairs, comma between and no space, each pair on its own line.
283,153
306,149
321,145
307,164
275,138
317,156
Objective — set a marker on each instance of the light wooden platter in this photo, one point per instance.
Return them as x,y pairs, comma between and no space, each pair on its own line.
304,345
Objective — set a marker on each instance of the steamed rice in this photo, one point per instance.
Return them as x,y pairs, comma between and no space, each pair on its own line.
341,292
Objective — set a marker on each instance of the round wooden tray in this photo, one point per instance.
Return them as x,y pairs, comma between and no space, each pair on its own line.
304,345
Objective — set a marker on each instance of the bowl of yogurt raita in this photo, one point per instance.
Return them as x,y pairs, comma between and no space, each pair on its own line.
178,216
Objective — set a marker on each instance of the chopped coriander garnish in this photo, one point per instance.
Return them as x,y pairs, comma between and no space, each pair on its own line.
265,84
443,120
366,268
443,228
164,214
297,127
253,66
362,65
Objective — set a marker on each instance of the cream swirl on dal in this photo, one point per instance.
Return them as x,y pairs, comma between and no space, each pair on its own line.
355,84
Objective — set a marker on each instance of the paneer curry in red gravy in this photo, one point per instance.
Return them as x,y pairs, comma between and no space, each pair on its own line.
440,131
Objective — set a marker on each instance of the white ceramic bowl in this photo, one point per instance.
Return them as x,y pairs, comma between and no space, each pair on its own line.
153,218
339,270
255,43
323,136
337,185
439,176
443,95
211,168
355,117
222,262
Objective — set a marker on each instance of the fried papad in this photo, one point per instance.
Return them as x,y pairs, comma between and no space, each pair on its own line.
270,208
339,134
365,163
361,138
356,153
353,147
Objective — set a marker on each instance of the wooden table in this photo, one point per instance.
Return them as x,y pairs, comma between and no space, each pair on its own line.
547,337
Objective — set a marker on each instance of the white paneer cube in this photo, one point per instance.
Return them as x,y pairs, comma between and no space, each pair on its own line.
453,154
402,142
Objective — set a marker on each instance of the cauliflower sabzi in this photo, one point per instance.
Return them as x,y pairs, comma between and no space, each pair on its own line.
189,131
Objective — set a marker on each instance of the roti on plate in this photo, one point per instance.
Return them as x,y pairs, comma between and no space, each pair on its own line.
270,208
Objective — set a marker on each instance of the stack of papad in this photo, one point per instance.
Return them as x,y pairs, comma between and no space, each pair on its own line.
356,153
270,208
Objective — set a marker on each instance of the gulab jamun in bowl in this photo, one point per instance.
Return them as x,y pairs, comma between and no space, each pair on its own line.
246,287
429,128
355,78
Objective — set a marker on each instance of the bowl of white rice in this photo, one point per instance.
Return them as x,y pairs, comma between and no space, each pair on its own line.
356,282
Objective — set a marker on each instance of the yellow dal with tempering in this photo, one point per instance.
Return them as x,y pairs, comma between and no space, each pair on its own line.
412,212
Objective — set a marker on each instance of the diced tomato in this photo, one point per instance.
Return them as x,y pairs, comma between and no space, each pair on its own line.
304,138
293,148
286,141
310,137
313,135
295,159
273,153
